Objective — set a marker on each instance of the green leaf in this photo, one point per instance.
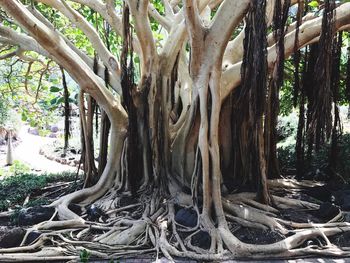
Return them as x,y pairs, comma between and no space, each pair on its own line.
313,4
53,101
54,89
32,123
60,100
24,116
54,81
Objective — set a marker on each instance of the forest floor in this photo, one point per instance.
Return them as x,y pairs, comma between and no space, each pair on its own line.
13,225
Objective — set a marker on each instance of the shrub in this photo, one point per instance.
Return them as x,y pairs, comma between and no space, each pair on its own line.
4,111
14,189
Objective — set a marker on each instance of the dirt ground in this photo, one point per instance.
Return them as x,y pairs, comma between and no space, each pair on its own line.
27,151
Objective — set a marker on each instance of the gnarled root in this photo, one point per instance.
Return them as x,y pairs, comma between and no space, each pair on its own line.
150,226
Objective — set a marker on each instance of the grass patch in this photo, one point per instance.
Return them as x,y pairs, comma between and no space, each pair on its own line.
14,189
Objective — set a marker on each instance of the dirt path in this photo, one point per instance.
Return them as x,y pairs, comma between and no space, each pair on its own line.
28,152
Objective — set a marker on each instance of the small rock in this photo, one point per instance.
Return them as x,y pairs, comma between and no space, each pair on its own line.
71,158
33,215
186,217
11,237
33,131
94,213
52,135
54,128
63,155
73,151
32,236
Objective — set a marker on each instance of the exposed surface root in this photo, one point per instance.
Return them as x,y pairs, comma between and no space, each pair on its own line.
124,226
292,183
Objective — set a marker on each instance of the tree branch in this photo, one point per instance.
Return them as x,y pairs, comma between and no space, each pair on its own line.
310,30
196,33
139,11
234,49
64,56
163,21
9,54
14,38
78,20
10,36
192,18
227,18
108,12
177,34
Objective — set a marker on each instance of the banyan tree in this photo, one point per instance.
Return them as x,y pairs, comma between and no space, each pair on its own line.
189,99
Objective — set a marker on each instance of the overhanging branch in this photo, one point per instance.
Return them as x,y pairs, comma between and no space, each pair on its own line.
308,31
